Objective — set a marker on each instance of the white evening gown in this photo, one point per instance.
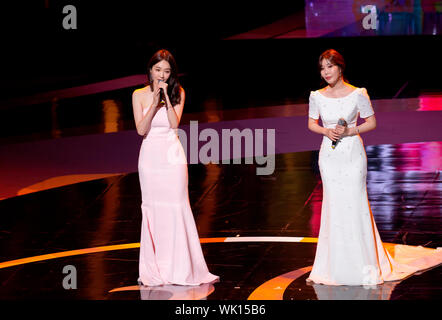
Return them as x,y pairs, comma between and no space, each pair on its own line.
349,249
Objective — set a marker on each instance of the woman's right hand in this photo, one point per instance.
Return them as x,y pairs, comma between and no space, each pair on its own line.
156,97
332,134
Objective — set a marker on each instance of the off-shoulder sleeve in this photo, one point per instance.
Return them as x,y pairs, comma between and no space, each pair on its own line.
313,110
364,104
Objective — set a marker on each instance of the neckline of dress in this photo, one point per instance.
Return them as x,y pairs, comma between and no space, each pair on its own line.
338,97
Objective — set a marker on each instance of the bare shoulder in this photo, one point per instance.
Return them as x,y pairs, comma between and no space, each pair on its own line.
182,93
140,92
351,87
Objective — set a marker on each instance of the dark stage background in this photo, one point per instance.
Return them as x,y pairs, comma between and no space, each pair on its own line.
116,39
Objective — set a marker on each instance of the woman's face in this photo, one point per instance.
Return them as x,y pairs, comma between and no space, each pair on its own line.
160,71
330,72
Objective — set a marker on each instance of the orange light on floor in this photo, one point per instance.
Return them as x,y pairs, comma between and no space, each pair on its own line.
50,256
274,288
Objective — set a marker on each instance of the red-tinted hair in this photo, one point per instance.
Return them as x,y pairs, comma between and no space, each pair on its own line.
335,58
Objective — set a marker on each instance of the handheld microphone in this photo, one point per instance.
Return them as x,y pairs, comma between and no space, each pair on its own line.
341,122
162,96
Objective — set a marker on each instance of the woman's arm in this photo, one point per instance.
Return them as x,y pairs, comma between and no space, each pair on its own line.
315,127
368,125
174,113
143,123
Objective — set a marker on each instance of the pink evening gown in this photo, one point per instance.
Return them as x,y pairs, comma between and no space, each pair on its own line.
170,250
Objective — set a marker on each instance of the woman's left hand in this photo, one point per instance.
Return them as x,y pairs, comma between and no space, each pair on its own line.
164,85
341,130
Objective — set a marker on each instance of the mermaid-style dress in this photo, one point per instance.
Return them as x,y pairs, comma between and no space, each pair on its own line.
170,250
349,249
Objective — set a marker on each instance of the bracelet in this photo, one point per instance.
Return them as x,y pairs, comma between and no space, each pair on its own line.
357,130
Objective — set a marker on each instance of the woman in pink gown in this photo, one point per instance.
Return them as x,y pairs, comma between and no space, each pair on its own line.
170,251
350,250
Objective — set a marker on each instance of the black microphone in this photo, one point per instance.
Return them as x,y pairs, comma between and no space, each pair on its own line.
341,122
162,96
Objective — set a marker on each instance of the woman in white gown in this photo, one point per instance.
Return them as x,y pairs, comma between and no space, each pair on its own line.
349,249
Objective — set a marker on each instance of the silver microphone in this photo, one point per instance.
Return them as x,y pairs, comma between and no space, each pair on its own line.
343,123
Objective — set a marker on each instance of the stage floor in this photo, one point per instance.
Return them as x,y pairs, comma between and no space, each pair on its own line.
257,233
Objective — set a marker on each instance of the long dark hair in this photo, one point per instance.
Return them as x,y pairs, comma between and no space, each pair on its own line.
335,58
174,87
